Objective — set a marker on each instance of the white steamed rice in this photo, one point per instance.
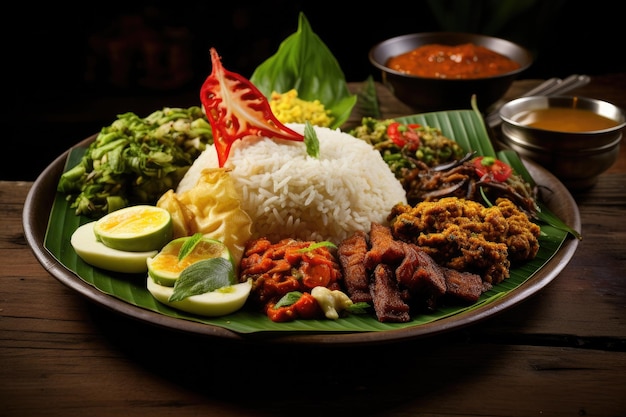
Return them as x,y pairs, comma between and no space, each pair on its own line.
289,194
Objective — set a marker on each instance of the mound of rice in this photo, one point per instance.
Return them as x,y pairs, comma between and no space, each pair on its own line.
289,194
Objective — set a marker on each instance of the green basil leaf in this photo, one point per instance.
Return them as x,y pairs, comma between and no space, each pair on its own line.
316,245
288,299
202,277
367,103
303,62
311,141
188,245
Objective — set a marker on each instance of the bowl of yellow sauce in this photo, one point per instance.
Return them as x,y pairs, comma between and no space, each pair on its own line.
576,138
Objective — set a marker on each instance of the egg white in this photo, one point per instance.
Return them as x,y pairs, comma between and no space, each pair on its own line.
216,303
97,254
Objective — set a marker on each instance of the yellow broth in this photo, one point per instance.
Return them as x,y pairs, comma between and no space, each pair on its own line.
565,120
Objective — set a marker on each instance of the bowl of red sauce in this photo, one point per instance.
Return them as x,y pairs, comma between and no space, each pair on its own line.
576,138
433,71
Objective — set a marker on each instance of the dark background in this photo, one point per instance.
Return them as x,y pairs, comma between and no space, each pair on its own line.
70,70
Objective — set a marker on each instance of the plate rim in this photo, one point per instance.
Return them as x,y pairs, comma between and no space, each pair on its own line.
43,191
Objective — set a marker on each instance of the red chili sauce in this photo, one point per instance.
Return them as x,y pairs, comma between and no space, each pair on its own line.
460,61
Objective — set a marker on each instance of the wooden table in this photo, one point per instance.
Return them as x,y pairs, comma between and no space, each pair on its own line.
562,352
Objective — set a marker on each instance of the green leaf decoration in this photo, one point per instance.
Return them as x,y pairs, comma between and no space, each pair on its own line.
367,102
288,299
464,125
311,141
189,245
313,246
304,62
202,277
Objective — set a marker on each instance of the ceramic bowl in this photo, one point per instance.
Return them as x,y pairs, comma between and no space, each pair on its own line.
432,94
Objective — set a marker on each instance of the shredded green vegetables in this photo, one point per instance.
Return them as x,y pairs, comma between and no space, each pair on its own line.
135,160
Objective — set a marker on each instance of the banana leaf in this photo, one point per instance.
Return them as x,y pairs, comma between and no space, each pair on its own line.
303,62
464,125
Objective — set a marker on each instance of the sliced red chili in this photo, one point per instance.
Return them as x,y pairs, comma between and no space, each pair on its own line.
492,168
404,135
236,108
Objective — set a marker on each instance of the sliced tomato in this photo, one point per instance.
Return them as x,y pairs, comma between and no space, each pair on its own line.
404,135
236,109
492,167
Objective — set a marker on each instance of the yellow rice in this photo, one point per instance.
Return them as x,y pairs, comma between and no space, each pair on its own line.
288,108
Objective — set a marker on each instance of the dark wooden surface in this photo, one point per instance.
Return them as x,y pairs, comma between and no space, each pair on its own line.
562,352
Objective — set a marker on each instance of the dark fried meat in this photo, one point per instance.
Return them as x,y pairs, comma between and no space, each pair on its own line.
351,252
463,285
388,303
466,236
422,277
406,277
384,248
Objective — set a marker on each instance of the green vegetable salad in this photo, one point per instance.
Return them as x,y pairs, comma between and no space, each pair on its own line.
136,160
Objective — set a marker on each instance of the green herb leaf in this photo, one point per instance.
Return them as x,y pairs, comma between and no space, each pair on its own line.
288,299
367,101
202,277
189,245
303,62
313,246
358,308
311,141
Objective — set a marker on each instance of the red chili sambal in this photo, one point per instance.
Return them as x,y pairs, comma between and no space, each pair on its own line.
286,266
457,62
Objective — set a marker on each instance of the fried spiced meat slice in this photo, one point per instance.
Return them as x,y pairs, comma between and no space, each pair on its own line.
351,253
388,303
421,275
383,247
463,285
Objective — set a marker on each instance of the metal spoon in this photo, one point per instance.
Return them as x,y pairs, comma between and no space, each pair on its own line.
550,87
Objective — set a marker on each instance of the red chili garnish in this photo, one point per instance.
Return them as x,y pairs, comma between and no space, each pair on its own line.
404,135
236,108
488,167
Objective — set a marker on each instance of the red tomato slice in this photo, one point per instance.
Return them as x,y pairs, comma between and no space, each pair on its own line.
236,108
404,135
492,167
